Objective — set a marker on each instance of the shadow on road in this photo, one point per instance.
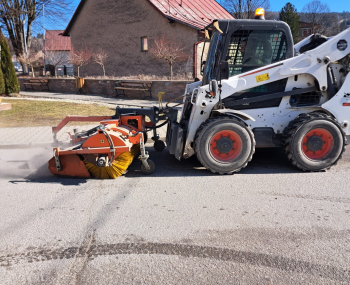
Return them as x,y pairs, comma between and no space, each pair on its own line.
265,161
43,175
25,165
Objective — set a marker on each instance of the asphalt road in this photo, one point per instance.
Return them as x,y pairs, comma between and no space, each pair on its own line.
268,224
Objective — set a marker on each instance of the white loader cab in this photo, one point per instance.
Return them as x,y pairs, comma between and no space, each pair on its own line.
259,90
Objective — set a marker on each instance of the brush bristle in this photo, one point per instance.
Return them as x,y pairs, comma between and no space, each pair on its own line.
118,167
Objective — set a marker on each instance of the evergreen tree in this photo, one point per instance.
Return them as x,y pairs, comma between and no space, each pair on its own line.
289,15
2,82
8,70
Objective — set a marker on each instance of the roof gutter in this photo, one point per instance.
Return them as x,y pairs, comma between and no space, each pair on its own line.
184,23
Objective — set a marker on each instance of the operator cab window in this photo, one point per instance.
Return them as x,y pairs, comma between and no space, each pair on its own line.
214,55
253,49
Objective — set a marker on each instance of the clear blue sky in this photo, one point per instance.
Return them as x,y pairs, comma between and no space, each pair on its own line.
276,5
334,5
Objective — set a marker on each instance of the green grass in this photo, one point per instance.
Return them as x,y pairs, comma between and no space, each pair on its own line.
33,113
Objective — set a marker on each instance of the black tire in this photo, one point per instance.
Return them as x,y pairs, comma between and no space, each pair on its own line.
220,153
148,171
159,145
314,142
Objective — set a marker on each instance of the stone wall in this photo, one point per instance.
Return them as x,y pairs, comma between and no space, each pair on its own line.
172,89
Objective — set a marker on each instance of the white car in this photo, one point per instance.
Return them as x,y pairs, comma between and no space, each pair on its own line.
18,67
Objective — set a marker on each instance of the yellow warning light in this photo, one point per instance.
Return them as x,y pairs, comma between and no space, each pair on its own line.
260,14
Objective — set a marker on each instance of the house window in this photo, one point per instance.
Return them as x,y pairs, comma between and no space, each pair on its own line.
144,44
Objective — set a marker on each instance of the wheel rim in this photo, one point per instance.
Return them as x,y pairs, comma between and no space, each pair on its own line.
317,144
225,146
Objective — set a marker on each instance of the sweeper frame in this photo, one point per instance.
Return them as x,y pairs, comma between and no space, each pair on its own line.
100,147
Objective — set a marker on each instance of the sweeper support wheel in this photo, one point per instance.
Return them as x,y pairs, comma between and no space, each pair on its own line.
151,169
159,145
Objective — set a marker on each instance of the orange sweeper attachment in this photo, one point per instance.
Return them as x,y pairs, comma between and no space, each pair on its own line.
107,150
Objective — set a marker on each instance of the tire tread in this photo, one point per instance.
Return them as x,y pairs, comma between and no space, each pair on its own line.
207,124
293,127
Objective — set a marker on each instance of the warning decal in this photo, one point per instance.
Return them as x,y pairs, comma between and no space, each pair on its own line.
262,77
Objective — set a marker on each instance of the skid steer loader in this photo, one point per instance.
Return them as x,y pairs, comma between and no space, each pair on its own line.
261,90
258,90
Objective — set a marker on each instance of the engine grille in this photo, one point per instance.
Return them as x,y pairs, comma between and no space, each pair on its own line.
306,99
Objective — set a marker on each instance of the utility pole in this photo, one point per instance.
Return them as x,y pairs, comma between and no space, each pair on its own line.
25,67
44,39
24,35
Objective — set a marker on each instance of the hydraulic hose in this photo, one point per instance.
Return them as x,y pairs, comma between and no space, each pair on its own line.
156,127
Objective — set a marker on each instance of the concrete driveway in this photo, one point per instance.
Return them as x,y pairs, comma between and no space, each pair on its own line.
268,224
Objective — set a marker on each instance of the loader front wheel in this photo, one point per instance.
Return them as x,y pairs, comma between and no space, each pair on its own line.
224,145
314,142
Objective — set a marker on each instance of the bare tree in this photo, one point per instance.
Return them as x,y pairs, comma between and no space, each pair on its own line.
56,58
37,44
189,67
245,9
18,17
318,14
31,59
100,58
80,57
168,50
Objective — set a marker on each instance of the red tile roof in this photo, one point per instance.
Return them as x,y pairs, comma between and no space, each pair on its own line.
194,13
54,40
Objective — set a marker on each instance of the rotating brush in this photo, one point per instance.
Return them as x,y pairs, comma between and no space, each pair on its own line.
118,167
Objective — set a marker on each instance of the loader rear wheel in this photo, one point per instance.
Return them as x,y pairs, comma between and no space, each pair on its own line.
224,145
314,142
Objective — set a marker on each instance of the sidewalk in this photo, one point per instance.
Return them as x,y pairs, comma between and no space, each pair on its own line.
121,101
42,136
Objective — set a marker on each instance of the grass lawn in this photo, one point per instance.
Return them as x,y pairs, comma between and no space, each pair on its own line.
33,113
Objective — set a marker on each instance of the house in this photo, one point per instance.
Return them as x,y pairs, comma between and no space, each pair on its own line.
57,51
55,41
344,24
305,29
125,29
